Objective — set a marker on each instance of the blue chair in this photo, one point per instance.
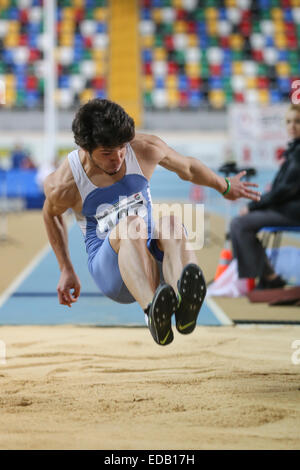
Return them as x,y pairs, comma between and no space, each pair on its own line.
33,28
58,14
78,40
222,13
32,40
101,94
101,27
195,98
215,83
13,13
264,4
32,99
90,3
183,83
160,83
201,32
269,41
288,15
203,41
284,84
146,14
3,190
227,70
276,96
147,55
7,56
20,82
283,55
228,55
276,232
64,81
78,54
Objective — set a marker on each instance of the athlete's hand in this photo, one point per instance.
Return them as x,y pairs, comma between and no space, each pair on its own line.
242,188
68,281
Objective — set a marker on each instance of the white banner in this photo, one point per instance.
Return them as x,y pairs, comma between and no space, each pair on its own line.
257,134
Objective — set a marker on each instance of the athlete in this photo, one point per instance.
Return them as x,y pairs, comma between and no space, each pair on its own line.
106,183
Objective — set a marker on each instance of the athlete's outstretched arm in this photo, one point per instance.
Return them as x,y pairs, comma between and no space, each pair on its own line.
191,169
58,238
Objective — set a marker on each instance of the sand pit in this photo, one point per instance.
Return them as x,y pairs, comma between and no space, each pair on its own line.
68,387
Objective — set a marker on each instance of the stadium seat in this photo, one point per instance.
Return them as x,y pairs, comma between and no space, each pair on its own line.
263,96
251,96
217,98
172,98
160,98
255,47
65,98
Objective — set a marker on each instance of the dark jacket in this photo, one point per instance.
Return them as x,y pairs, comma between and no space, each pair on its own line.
284,196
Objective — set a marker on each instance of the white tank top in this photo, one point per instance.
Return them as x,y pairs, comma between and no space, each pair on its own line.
102,207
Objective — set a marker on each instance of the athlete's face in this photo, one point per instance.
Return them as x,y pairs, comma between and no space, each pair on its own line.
109,160
293,123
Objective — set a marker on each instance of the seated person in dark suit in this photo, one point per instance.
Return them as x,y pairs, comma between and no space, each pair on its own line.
280,206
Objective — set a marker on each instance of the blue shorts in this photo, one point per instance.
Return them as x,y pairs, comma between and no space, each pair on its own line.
105,271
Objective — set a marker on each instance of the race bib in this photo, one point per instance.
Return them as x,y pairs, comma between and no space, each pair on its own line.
109,215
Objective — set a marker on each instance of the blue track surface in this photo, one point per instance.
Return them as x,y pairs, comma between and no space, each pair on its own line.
35,301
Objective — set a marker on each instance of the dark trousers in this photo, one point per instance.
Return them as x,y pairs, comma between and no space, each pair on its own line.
247,248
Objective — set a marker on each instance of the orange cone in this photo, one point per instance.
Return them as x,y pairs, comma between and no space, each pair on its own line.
250,283
224,261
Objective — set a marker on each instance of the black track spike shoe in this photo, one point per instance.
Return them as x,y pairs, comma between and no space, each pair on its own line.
160,312
191,294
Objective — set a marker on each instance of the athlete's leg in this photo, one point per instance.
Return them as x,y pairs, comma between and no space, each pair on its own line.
176,247
137,266
181,271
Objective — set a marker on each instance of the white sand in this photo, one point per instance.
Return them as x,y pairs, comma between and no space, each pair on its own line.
67,387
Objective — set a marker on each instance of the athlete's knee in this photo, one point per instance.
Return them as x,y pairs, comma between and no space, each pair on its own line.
132,227
171,228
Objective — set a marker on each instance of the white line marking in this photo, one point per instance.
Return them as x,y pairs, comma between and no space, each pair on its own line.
218,312
30,267
265,325
20,278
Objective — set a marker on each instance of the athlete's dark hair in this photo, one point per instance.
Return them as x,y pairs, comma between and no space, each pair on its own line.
102,123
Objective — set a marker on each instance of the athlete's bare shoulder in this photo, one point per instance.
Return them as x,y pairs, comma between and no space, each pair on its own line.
149,146
60,188
149,150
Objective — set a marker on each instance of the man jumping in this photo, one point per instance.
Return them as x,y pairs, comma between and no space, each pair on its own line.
106,184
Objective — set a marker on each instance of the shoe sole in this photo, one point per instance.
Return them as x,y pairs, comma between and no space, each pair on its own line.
162,308
192,290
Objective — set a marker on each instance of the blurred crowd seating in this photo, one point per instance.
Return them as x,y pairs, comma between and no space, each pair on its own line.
81,53
219,51
194,52
21,185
